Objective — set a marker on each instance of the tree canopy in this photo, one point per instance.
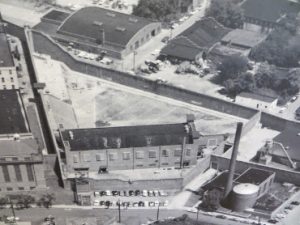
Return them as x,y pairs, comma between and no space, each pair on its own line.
282,47
226,12
165,10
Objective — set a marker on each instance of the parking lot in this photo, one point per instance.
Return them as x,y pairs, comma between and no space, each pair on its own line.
131,199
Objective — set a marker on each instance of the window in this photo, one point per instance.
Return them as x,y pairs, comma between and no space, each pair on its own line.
112,156
5,173
100,157
165,164
152,164
152,154
188,152
12,86
165,153
86,157
31,188
11,79
21,188
177,152
27,158
4,87
29,173
3,79
10,72
139,154
139,165
18,173
126,155
9,189
14,158
75,159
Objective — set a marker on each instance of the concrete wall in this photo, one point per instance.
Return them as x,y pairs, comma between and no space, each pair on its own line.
202,165
251,123
282,175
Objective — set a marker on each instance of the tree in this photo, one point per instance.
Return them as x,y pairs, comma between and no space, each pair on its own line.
231,67
46,200
226,12
25,201
164,11
3,202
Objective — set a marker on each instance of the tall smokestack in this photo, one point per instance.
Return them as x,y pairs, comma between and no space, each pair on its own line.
233,158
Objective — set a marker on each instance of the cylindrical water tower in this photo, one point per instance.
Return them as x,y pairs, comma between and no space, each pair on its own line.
243,196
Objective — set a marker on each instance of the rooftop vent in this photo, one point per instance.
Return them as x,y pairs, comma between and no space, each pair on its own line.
16,137
110,14
97,23
71,135
121,28
133,20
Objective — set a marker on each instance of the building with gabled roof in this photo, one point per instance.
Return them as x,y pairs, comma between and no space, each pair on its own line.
198,38
94,29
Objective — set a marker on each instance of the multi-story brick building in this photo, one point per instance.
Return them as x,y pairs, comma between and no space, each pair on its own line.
98,150
8,72
21,161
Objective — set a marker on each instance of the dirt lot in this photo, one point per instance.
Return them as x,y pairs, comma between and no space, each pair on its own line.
99,102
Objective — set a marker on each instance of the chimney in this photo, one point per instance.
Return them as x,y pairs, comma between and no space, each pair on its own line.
233,159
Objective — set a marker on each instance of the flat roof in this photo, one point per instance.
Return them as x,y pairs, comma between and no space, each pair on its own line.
218,182
290,139
254,176
56,15
129,136
24,146
260,97
6,59
244,38
12,114
118,27
269,10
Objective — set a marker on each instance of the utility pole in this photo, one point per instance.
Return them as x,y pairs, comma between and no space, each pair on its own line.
134,54
12,209
157,214
119,208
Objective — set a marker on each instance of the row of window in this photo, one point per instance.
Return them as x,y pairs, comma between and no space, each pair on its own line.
7,159
18,174
3,79
19,189
127,155
12,87
10,72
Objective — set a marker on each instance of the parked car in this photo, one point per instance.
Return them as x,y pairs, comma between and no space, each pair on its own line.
96,202
165,39
295,203
274,221
152,204
102,203
125,193
150,193
131,193
141,204
166,203
156,193
102,193
135,204
137,193
126,204
163,193
108,193
115,193
221,216
145,193
293,99
96,193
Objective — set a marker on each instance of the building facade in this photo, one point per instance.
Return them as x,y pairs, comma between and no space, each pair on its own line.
21,164
98,150
97,30
258,101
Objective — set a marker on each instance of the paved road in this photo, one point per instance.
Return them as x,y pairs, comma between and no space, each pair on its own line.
129,217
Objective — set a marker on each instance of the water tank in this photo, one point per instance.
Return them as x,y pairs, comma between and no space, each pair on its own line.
243,196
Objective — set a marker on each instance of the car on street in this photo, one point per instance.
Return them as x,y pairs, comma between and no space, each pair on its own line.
137,193
166,203
273,221
108,193
151,204
131,193
293,99
150,193
295,203
102,203
156,193
141,204
96,202
165,39
96,193
115,193
135,204
145,193
163,193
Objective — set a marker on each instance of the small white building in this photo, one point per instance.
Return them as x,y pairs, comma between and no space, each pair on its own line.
8,72
258,101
